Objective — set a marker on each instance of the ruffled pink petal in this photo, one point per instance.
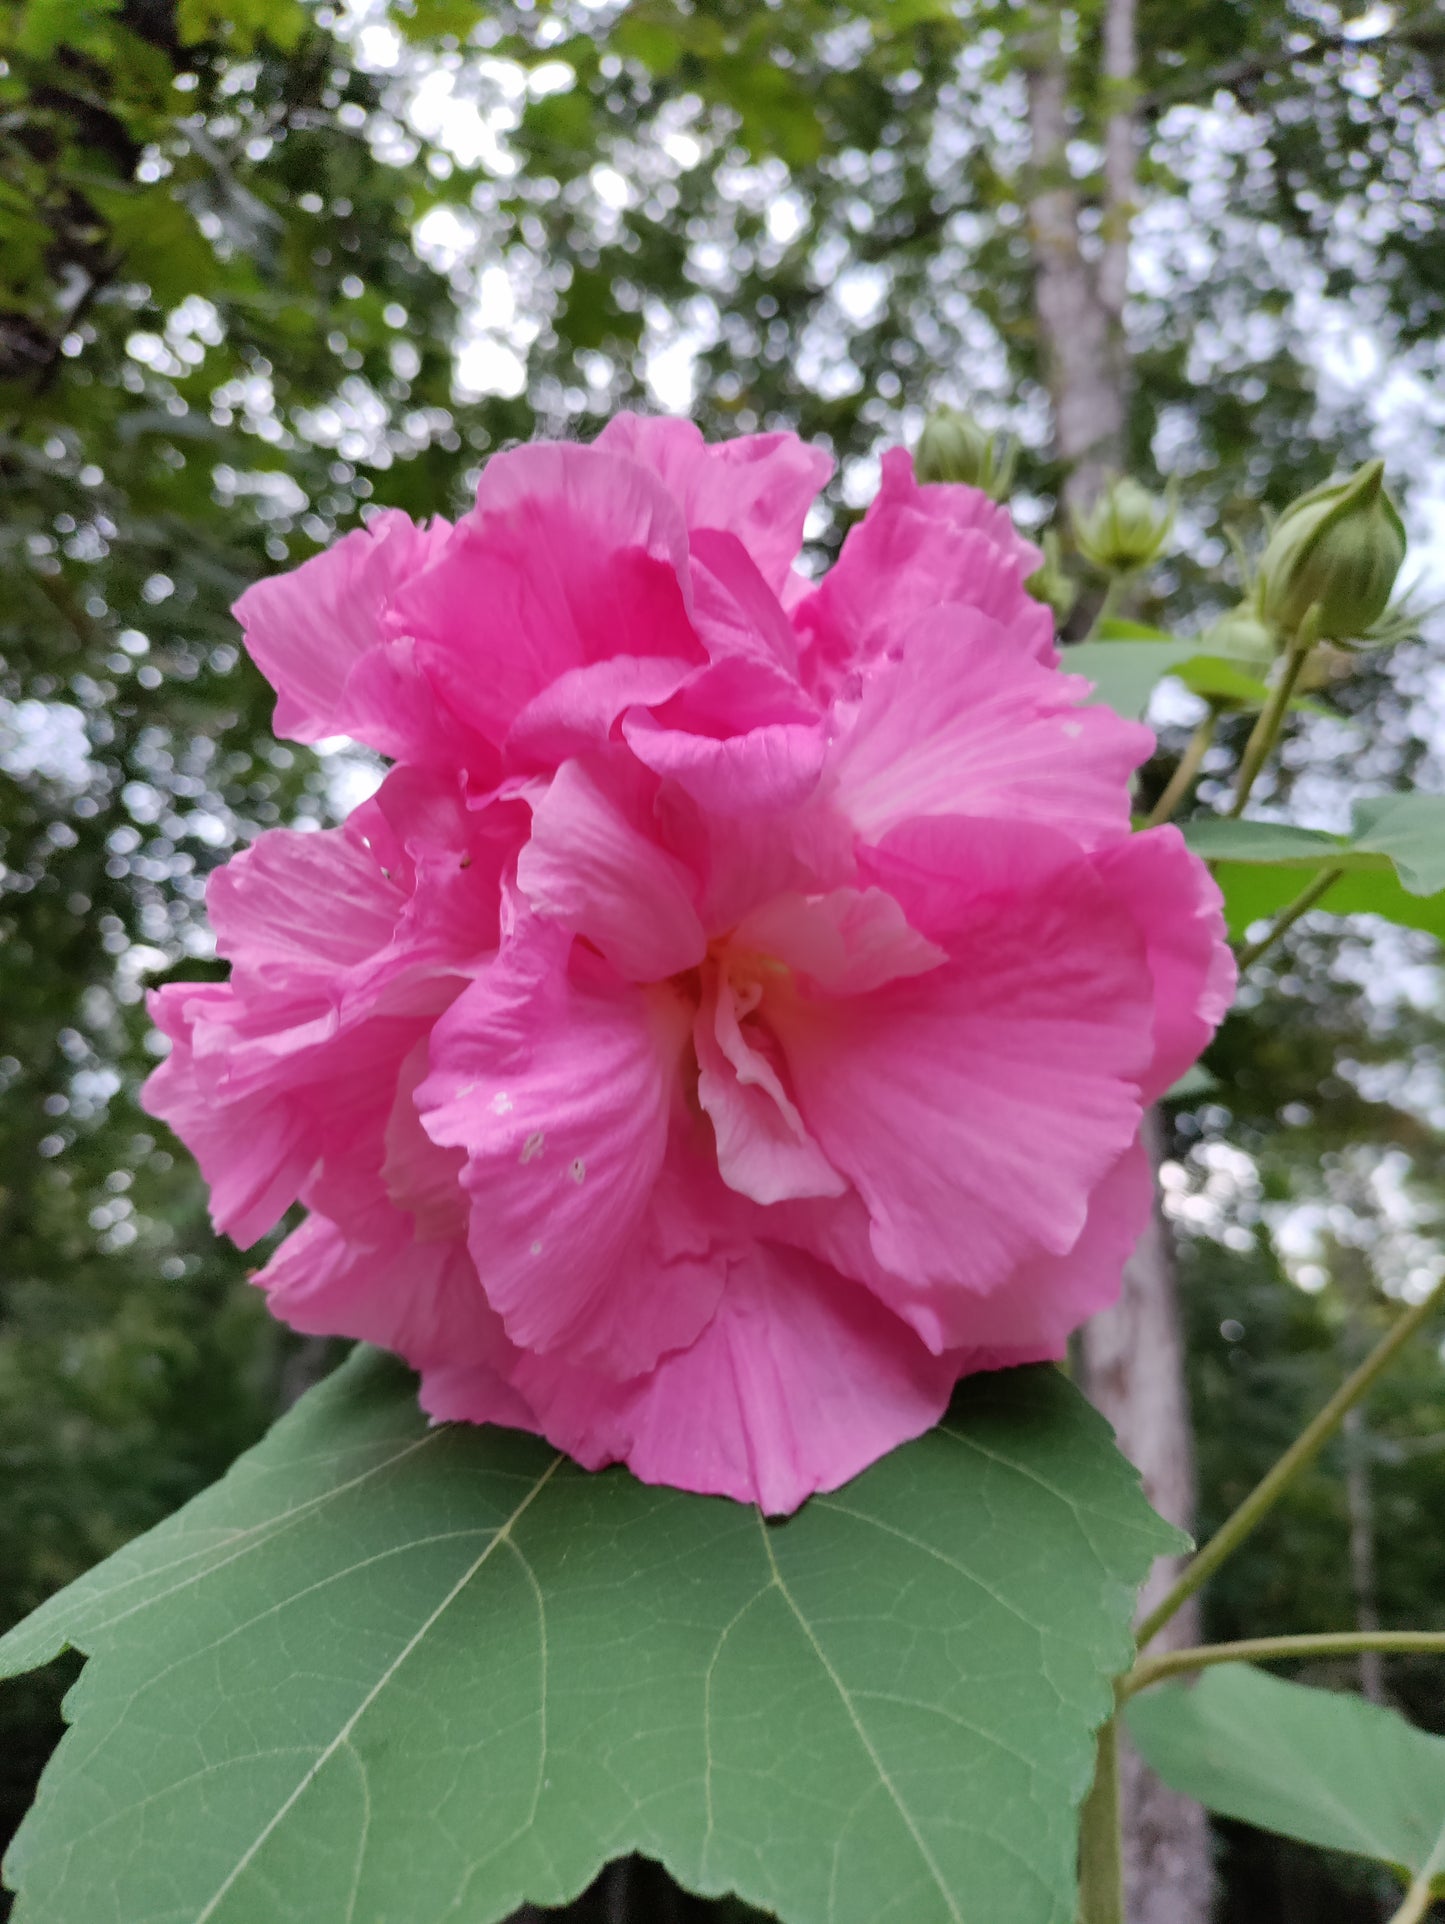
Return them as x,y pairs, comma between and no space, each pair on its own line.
571,556
347,944
452,855
799,1382
1045,1301
397,705
763,1147
1032,1311
474,1393
592,867
579,711
759,773
296,904
843,943
966,724
425,1303
1178,909
254,1148
560,1088
736,613
758,487
307,629
422,1180
916,549
975,1108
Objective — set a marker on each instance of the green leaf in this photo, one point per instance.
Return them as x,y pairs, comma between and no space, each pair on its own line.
48,24
1196,1081
1262,866
1410,829
382,1671
1280,844
1126,672
1317,1765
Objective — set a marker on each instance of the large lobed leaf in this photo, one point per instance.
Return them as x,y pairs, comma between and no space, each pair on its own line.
1319,1765
393,1674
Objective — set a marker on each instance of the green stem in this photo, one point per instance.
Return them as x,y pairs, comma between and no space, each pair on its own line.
1332,1643
1263,735
1101,1851
1289,915
1305,1448
1109,606
1418,1899
1188,767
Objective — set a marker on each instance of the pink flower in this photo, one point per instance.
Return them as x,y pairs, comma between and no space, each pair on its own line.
730,1021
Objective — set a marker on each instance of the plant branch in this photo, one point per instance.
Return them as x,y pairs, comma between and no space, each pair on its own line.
1289,915
1418,1899
1109,606
1185,772
1101,1856
1305,1448
1265,733
1332,1643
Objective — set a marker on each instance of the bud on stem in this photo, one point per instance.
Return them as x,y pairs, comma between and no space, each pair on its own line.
953,447
1332,559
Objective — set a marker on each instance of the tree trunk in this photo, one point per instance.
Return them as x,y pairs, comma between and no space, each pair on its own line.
1133,1360
1360,1500
1078,330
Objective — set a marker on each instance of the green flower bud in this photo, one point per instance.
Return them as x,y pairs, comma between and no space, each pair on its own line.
953,447
1126,528
1052,584
1332,558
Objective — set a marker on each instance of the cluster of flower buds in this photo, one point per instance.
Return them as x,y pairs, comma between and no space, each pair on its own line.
1125,529
1329,567
953,447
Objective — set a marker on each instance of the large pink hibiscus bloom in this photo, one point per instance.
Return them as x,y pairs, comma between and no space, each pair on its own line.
731,1020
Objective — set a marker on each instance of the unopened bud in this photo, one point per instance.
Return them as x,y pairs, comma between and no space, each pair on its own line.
1126,528
1052,584
1332,558
953,447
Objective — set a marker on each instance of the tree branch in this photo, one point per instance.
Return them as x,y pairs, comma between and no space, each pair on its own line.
1235,75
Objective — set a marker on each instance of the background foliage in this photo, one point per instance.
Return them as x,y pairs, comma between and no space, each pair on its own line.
264,265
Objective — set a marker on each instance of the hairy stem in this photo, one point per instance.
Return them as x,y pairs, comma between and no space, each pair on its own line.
1185,772
1101,1856
1330,1643
1305,1448
1289,915
1265,733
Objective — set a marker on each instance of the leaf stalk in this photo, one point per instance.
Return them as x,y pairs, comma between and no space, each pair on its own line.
1289,915
1302,1452
1101,1844
1330,1643
1265,733
1418,1900
1185,771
